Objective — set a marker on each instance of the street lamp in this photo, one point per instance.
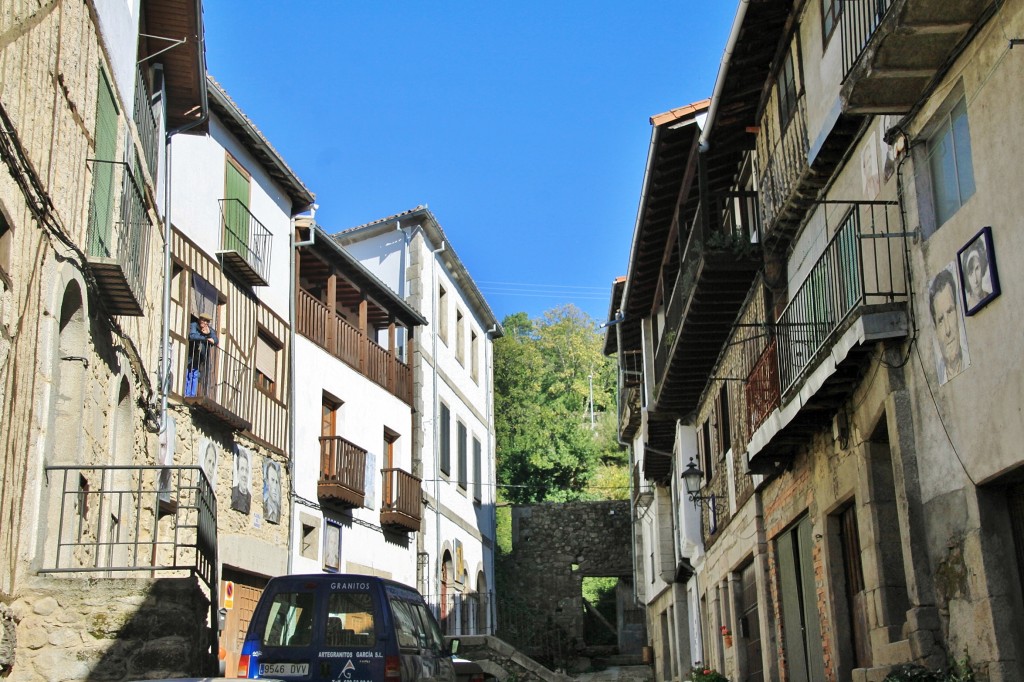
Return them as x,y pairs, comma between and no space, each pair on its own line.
693,477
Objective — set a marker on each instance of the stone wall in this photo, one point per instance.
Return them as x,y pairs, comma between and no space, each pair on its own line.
110,630
555,546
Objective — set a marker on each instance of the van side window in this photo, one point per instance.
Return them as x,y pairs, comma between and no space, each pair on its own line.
433,637
290,620
350,620
407,626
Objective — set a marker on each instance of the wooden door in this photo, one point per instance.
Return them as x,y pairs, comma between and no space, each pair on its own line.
750,625
801,626
856,597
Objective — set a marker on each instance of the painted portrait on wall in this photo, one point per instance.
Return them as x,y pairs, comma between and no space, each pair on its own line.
271,491
332,545
208,454
950,340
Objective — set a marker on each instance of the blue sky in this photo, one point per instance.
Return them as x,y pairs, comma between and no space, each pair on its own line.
523,125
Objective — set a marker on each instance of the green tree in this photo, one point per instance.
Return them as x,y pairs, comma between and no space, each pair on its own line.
544,371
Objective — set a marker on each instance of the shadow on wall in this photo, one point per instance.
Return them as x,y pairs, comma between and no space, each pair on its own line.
110,629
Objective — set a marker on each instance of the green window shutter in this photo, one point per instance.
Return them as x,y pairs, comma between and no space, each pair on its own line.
236,210
101,209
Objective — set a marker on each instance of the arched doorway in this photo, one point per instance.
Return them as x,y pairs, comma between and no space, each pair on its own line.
447,594
483,599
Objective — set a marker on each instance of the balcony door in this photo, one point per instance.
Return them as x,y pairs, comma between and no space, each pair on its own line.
329,417
236,208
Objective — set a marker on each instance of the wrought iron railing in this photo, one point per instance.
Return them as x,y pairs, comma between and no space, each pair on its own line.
762,388
857,23
343,463
217,376
146,124
246,236
125,520
401,493
782,159
119,224
465,613
864,263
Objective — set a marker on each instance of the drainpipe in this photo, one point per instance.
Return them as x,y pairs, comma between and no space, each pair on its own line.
723,71
493,516
165,342
437,432
292,412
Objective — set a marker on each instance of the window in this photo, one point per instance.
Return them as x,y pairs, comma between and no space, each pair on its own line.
290,621
266,363
724,427
787,91
350,620
477,473
310,544
460,337
442,314
474,356
949,162
445,439
705,450
463,477
830,13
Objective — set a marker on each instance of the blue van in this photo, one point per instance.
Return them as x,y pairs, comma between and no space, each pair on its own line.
353,628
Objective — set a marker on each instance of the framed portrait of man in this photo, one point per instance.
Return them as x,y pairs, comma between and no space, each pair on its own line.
950,340
241,480
979,279
332,545
271,491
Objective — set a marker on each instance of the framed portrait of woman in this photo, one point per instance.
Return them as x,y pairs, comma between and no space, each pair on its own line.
979,279
332,545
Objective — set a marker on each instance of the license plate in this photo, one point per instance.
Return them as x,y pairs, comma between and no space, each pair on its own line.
284,669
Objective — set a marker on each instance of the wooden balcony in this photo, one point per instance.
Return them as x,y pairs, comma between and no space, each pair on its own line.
118,237
245,244
342,483
333,333
401,501
854,296
894,49
716,271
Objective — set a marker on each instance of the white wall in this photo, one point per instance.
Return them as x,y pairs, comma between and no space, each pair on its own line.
119,24
198,167
366,410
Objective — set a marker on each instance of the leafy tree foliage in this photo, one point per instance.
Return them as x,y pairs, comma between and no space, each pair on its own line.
547,447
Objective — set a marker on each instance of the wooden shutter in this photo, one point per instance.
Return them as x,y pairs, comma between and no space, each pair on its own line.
477,476
446,439
463,478
102,209
236,213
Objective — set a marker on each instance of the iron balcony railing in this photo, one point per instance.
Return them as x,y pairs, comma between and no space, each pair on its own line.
400,503
342,472
762,388
732,226
248,240
782,159
857,23
218,381
864,263
125,520
119,224
145,123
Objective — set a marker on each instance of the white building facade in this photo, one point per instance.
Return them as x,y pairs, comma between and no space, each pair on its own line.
453,421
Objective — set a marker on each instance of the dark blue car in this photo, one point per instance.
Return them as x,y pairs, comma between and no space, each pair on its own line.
348,628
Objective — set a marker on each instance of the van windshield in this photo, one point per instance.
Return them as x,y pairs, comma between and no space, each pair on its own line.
290,620
350,620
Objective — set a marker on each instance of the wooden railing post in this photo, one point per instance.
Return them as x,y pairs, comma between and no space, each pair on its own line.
392,358
364,337
332,308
